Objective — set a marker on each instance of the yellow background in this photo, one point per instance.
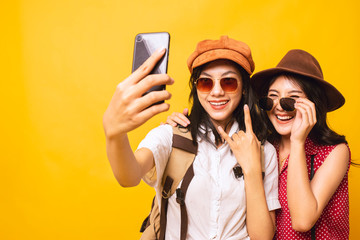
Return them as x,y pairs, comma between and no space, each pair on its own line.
61,61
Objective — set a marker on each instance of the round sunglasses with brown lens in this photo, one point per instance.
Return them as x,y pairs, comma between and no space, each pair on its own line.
206,84
288,104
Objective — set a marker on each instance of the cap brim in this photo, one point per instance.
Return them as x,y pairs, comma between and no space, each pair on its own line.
221,54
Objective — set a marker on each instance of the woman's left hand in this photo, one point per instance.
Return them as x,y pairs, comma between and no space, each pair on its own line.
305,119
245,146
178,118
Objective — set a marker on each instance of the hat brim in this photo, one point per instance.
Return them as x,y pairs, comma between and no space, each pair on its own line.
334,98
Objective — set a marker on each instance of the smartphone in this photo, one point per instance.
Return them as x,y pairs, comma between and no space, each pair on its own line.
145,45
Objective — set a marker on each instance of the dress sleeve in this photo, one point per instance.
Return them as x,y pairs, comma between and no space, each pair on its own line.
159,142
271,177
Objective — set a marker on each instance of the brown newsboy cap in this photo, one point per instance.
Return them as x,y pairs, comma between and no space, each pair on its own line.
224,48
303,63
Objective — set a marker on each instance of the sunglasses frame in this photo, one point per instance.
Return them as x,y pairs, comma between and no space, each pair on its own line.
213,84
286,103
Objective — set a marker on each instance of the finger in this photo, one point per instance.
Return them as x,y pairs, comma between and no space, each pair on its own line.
170,120
186,111
303,114
239,136
151,81
308,106
183,116
175,118
311,108
146,68
224,135
151,98
148,113
235,137
247,119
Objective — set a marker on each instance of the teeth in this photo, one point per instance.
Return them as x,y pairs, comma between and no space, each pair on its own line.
218,103
283,118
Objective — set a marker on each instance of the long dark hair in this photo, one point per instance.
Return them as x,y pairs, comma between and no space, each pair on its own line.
321,133
199,118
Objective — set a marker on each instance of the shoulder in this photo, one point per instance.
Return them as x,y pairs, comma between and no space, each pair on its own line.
159,136
337,161
341,152
270,154
269,149
162,131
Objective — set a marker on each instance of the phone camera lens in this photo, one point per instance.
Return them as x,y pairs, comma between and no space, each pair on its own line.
139,38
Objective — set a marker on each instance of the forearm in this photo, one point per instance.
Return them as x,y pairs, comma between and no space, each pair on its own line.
301,200
260,224
125,167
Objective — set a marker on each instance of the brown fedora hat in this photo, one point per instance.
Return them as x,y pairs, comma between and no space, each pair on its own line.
303,63
224,48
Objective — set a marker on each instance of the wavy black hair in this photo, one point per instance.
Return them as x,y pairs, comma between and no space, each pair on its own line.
199,118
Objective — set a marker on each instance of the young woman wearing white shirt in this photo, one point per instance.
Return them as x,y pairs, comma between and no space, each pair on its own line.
219,204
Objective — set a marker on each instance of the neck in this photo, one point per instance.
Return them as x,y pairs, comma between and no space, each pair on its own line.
225,125
284,146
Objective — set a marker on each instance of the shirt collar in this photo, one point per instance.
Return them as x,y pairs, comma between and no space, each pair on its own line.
234,128
310,149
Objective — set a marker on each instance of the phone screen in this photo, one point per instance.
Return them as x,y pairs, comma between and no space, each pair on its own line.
145,45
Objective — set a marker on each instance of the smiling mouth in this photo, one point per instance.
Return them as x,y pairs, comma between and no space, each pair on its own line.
218,103
284,118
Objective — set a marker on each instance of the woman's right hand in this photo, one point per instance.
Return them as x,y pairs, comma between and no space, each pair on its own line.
128,108
178,118
245,146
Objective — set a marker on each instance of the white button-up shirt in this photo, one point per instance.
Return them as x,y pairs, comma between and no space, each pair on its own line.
215,200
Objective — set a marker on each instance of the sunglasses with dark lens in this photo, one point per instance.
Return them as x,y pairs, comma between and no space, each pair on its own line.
288,104
206,84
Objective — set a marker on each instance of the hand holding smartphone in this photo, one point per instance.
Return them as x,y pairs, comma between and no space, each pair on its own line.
145,45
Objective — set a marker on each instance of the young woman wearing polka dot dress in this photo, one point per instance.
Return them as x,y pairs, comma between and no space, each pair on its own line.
313,160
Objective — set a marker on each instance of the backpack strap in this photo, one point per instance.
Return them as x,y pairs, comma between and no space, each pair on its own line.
164,205
179,167
181,157
180,199
262,159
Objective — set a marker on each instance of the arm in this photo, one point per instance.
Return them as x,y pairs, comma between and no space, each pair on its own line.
127,110
256,208
246,149
307,199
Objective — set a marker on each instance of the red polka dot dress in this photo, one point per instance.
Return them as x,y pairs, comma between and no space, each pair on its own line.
334,221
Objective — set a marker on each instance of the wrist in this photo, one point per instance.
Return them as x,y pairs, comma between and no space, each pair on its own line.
297,142
115,136
253,173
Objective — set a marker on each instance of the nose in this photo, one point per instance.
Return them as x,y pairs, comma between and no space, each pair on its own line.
217,89
277,104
